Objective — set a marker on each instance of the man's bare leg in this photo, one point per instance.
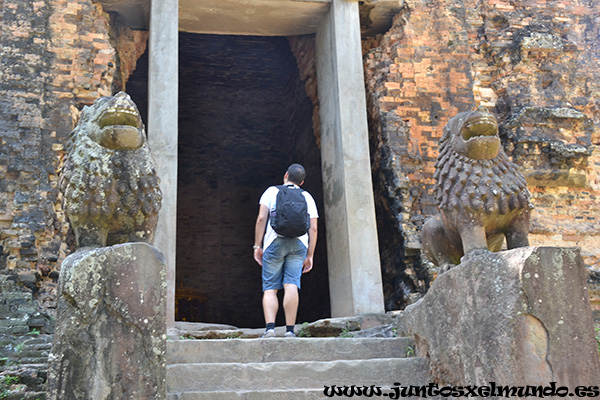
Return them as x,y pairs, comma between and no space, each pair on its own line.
270,305
290,303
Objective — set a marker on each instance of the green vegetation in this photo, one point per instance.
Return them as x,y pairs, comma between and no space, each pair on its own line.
303,331
5,383
187,336
19,347
346,333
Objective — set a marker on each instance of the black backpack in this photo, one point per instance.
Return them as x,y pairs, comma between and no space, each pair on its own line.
290,217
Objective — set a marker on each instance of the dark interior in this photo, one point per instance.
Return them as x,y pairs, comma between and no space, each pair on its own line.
243,118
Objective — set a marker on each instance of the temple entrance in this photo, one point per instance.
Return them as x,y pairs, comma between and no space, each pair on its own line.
244,116
336,88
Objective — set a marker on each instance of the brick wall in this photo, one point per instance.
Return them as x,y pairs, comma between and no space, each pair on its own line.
58,55
535,64
303,48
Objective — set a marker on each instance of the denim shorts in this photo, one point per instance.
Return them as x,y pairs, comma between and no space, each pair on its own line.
282,263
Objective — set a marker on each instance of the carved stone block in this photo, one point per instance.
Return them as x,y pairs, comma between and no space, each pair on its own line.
110,339
519,317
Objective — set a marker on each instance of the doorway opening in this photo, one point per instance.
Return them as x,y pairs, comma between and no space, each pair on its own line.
244,116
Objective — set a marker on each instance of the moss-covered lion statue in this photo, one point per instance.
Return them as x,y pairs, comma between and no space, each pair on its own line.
109,183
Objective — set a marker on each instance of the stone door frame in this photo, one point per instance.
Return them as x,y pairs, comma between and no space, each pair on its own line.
352,244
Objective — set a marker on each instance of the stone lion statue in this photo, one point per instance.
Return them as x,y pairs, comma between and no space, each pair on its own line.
108,180
481,196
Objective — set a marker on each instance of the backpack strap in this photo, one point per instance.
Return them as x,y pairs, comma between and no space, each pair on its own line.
290,186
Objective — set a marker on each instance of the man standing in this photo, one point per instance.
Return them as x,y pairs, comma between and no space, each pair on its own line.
283,259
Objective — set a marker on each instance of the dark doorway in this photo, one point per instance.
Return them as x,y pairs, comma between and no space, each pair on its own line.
244,117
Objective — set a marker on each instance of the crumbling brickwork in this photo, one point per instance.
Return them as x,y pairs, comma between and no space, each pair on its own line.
535,64
303,48
58,55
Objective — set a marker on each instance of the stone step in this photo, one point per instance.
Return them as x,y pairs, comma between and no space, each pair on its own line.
286,349
17,298
13,322
26,396
295,375
43,360
36,366
26,348
34,349
40,340
308,394
14,330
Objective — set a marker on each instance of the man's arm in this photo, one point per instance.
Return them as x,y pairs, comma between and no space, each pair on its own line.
259,232
312,243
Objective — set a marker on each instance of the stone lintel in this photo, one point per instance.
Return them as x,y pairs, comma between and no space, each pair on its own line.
252,17
255,17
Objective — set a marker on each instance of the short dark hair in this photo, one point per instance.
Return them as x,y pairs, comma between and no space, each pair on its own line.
296,173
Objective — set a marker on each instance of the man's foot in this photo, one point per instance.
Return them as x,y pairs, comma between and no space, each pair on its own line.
290,334
269,333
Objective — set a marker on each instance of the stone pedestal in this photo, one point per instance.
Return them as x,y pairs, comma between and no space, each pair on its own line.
110,339
519,317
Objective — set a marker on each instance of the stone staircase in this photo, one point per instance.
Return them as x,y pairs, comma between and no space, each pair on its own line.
288,368
25,357
24,348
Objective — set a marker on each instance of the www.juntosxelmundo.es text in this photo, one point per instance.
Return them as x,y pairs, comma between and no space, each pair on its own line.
398,391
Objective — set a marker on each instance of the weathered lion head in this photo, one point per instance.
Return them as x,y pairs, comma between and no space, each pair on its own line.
474,134
114,123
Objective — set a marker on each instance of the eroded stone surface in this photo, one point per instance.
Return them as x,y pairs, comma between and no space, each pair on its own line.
332,327
110,339
519,317
109,180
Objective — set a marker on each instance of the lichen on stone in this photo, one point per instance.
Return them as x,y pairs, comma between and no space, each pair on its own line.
110,187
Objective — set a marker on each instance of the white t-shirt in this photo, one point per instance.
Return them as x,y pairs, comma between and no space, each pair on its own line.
269,199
